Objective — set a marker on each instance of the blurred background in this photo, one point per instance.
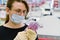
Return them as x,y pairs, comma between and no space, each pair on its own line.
45,12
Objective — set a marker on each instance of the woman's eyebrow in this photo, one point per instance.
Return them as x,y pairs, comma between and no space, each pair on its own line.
20,9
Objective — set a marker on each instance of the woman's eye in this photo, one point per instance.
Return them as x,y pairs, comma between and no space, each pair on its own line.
18,11
24,12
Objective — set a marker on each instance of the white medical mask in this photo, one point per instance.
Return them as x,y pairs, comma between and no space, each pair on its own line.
17,19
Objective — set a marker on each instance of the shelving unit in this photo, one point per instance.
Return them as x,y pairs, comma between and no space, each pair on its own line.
2,14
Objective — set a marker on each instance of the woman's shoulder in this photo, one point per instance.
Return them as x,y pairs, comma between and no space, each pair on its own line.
1,27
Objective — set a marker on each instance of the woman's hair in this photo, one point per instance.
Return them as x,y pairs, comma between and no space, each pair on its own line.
9,5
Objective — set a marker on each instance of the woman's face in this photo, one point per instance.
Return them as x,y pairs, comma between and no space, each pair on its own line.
18,8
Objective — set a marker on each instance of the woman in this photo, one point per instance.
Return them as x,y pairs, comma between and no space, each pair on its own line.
14,28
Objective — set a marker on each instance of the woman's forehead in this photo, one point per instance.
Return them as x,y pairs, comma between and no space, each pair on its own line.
18,5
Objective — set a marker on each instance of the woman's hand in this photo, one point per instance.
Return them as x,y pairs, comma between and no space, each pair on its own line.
26,35
31,35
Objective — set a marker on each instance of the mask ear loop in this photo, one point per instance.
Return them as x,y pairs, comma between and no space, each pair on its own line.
11,19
